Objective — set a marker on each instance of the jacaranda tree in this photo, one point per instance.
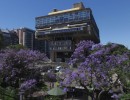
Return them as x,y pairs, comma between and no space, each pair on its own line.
18,68
97,67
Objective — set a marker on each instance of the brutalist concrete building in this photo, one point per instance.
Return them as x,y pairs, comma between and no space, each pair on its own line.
62,29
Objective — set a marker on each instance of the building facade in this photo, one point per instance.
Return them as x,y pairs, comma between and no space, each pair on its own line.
14,37
26,37
42,46
62,29
9,37
6,37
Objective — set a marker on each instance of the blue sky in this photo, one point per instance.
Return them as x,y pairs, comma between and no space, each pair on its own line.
112,16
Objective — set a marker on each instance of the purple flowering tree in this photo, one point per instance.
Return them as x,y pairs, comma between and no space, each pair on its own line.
18,68
94,66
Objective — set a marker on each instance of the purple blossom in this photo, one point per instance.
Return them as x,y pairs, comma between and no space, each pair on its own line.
82,76
96,47
28,84
18,65
96,64
65,89
115,96
110,91
74,75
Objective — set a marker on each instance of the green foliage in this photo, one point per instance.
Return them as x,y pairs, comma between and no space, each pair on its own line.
8,93
118,50
126,97
11,93
16,47
44,88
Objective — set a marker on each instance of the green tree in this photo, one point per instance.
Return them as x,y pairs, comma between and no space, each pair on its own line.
18,69
103,68
16,47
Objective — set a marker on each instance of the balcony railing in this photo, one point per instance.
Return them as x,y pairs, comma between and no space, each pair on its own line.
61,48
60,31
60,43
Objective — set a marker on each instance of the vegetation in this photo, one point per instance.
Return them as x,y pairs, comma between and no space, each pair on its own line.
103,68
16,47
126,97
18,69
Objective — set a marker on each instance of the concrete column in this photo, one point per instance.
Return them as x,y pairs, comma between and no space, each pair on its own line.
52,55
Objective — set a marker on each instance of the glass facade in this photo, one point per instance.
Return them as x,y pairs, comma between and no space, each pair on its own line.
62,18
63,29
28,40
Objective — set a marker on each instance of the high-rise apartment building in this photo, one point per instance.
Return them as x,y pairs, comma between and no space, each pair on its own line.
9,37
14,37
6,37
26,37
62,29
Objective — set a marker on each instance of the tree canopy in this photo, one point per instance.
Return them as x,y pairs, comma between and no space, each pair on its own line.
94,66
18,68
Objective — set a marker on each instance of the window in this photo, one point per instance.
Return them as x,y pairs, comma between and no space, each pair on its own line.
63,18
76,13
